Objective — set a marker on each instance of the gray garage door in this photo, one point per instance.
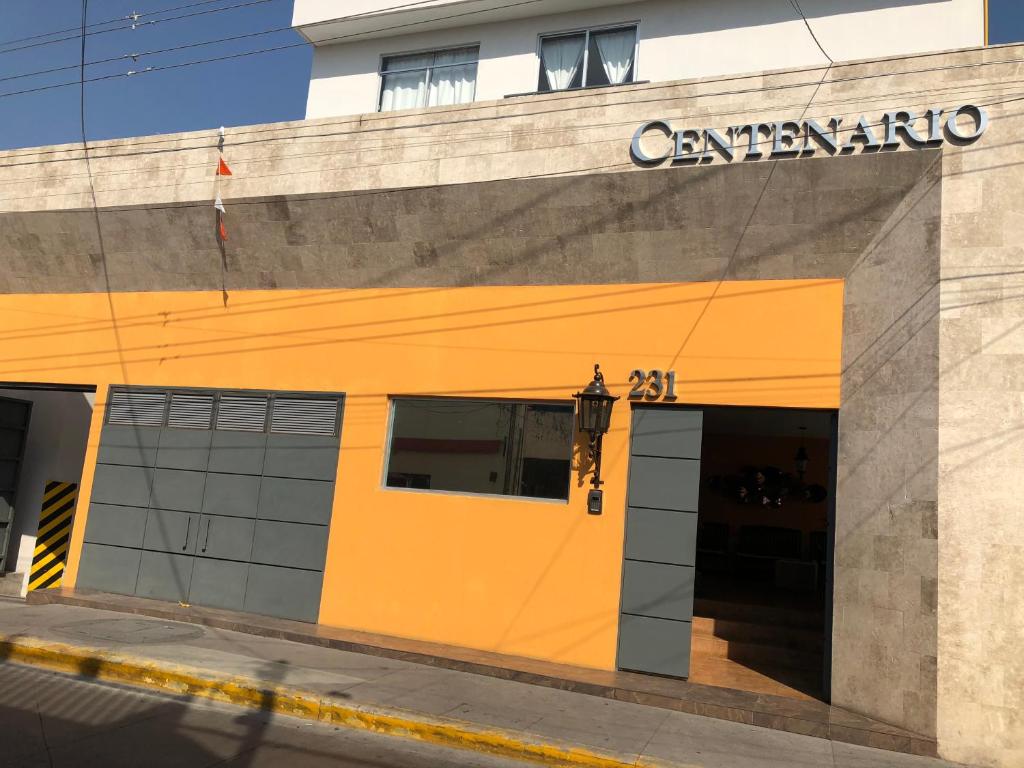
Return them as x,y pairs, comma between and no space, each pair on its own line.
661,541
214,498
14,419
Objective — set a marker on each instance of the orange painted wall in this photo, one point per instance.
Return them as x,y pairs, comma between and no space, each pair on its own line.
521,577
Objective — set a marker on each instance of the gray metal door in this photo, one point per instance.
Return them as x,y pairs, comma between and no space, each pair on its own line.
661,541
14,421
219,583
228,495
164,576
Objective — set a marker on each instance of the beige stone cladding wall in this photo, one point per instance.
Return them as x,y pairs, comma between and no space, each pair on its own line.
981,444
893,658
813,220
884,656
527,137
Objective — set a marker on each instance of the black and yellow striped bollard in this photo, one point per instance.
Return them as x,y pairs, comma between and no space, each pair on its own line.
53,537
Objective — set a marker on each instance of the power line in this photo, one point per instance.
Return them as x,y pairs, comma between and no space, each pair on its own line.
447,123
273,49
131,23
290,173
135,25
419,126
232,38
137,56
394,190
290,138
95,203
335,152
798,9
742,236
85,326
757,203
132,17
560,97
763,143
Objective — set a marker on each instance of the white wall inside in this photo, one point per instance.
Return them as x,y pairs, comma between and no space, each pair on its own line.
679,39
57,437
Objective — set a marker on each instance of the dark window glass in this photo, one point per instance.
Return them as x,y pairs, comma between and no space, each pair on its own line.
561,62
481,446
595,69
590,58
407,480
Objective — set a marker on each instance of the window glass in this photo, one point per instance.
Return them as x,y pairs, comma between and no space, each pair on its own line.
589,58
404,90
411,61
439,78
613,50
480,446
452,79
457,56
562,62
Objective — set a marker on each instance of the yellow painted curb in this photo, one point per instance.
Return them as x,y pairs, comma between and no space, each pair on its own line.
104,665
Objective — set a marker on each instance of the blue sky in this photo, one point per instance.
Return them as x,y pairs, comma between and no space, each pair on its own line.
1006,21
251,89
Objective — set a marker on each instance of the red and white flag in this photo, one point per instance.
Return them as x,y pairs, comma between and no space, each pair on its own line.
222,231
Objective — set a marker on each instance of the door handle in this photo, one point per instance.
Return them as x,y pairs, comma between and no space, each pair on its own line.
207,539
188,528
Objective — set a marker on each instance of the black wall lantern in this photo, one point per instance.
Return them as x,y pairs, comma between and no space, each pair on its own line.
595,416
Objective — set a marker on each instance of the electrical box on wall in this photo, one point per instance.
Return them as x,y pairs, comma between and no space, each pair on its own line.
594,502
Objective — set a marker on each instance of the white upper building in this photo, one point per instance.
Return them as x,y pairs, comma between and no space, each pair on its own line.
382,55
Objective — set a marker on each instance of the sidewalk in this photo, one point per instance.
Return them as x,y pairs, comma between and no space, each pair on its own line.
412,700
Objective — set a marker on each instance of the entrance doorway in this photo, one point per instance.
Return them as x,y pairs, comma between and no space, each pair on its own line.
763,564
727,563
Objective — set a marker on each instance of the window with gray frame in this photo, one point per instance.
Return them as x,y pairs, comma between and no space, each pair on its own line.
588,58
431,79
481,446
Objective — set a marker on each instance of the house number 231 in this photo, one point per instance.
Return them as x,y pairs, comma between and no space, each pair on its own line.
652,385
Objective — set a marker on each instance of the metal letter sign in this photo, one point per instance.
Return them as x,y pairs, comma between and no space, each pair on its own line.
657,141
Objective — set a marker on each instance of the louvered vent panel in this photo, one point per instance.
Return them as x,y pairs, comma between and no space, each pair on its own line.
242,414
141,409
190,411
304,417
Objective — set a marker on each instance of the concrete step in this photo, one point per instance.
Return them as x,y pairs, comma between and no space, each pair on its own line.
10,584
752,613
795,638
755,654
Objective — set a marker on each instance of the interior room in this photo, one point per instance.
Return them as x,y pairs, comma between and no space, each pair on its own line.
762,562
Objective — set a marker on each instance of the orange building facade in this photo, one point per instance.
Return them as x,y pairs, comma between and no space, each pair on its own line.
526,577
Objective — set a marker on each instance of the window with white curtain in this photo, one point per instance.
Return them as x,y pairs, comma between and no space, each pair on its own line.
433,79
587,58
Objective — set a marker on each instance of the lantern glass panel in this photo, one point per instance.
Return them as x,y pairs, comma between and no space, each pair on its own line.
586,414
603,414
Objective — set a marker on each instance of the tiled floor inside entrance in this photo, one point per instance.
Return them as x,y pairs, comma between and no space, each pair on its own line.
758,639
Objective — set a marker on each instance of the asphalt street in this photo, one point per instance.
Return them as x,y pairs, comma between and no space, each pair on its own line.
49,720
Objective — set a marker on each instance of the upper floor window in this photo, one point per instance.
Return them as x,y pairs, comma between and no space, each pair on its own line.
588,58
433,79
